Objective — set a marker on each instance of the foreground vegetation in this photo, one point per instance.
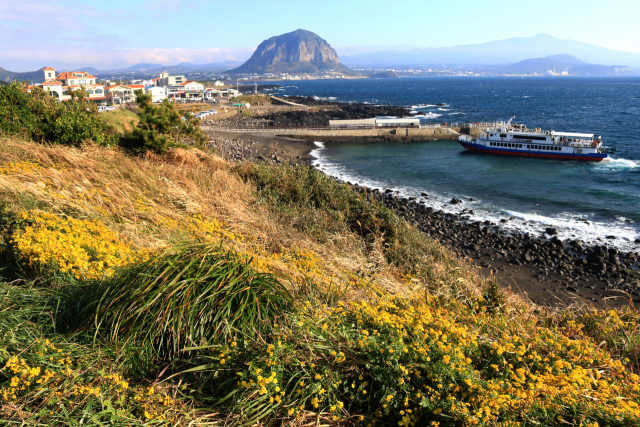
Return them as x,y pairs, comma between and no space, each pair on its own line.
177,289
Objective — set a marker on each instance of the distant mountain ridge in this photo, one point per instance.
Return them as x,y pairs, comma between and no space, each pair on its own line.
497,52
30,76
560,63
299,51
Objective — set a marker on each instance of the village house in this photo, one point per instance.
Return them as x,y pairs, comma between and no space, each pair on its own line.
60,86
158,94
119,94
193,89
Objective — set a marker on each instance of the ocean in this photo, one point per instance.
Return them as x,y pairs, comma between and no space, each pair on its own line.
598,203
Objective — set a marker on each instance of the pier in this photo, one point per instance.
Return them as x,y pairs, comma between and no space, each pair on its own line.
426,132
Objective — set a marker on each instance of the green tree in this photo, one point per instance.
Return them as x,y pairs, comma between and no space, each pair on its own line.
34,113
161,127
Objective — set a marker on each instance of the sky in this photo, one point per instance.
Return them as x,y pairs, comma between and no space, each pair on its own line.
67,34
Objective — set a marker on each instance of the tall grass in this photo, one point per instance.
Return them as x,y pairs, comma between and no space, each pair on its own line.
187,295
317,204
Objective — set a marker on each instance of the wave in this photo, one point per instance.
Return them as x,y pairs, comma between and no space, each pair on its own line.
421,106
570,226
443,109
325,98
612,163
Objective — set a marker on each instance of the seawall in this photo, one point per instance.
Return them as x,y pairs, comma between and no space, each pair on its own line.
360,136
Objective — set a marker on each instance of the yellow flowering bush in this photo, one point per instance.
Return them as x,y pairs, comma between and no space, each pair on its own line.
23,167
418,361
47,375
85,249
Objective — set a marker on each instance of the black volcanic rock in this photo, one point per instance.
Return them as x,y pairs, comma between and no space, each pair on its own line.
300,51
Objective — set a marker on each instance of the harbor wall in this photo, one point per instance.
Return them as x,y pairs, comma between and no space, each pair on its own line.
367,135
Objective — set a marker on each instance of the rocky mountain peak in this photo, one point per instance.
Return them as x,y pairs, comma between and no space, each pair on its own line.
299,51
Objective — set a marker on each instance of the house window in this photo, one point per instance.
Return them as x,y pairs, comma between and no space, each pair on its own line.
98,90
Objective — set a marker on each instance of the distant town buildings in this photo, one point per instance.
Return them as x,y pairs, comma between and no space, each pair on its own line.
166,80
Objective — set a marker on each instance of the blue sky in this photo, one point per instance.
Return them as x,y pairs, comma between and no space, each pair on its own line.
115,33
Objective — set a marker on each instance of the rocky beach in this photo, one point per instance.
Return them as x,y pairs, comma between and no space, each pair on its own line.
551,272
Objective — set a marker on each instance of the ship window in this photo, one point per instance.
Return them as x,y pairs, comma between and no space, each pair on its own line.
503,135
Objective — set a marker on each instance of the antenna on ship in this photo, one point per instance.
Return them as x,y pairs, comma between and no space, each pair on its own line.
509,122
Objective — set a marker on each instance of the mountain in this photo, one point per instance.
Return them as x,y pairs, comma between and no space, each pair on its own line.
559,63
507,51
300,51
30,76
89,70
566,59
144,66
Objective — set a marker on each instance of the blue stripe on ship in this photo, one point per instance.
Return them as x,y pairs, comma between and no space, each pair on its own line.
527,153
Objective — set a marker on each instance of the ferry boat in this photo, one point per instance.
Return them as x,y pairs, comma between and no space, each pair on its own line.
519,141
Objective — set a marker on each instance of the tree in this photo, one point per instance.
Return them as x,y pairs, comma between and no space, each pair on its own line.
35,114
161,127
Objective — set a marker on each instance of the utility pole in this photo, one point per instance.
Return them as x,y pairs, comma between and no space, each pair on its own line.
255,91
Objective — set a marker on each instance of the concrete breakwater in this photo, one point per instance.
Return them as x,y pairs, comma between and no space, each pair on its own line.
339,136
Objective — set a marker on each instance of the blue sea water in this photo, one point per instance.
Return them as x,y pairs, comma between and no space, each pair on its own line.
587,201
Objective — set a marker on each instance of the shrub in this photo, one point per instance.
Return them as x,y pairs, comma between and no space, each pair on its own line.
315,203
37,115
160,127
188,295
87,250
417,361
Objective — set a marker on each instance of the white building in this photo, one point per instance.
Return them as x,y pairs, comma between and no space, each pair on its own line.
158,94
166,80
62,85
119,94
193,89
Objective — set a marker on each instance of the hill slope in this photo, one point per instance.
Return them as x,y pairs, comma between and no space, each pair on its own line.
300,51
560,63
30,76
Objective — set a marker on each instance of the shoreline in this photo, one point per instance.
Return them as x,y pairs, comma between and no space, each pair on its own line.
551,272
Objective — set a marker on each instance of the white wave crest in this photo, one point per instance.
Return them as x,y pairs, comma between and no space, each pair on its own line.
612,163
569,225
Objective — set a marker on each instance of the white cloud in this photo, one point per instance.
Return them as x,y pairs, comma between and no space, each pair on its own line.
63,57
34,34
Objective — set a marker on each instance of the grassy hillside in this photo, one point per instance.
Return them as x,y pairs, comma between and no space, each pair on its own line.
178,289
121,119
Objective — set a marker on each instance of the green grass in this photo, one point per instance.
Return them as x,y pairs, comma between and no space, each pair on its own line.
316,204
188,295
121,119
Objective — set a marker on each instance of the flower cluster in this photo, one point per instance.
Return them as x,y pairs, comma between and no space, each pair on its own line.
24,167
85,249
47,374
416,361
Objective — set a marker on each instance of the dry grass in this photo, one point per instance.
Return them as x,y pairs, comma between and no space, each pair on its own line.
193,108
147,200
